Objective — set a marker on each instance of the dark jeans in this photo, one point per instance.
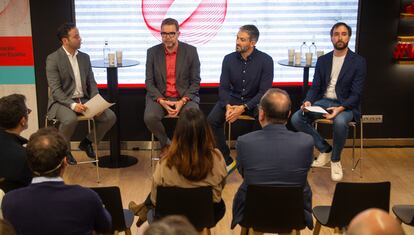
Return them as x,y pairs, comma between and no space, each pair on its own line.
217,119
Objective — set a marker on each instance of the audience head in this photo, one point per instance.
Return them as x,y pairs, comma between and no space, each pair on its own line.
192,146
46,152
6,228
13,113
68,35
374,222
171,225
274,107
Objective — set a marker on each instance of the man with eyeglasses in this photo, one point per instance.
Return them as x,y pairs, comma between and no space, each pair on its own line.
172,80
14,118
246,75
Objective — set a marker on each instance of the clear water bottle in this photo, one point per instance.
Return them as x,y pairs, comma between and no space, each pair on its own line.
106,51
313,49
304,49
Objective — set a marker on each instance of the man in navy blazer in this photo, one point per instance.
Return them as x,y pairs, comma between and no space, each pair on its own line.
172,80
337,87
274,155
48,205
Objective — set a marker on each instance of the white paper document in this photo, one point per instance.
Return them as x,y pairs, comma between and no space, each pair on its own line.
316,109
96,105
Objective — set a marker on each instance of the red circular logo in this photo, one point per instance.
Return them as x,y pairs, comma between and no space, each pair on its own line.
199,21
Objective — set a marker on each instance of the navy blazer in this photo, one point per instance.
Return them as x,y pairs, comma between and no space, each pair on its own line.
350,82
274,156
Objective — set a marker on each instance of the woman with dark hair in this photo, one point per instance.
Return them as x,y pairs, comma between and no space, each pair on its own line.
191,161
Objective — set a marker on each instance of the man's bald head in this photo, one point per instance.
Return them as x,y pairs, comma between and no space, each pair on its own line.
374,222
275,104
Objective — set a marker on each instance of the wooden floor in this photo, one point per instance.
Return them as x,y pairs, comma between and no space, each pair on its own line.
379,164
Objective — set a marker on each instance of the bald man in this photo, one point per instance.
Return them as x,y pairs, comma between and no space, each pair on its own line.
374,222
274,155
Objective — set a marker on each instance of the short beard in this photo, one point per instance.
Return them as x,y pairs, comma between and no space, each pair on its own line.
242,49
337,47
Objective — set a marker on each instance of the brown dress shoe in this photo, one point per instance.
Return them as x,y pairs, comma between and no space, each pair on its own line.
139,210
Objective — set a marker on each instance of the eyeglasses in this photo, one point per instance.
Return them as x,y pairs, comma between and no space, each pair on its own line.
169,34
28,111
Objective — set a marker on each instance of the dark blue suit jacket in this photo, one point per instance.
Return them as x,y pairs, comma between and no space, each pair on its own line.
350,82
55,208
274,156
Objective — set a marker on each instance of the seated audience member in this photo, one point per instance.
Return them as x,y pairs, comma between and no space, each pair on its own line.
171,225
274,155
6,228
14,116
374,222
246,74
191,161
48,205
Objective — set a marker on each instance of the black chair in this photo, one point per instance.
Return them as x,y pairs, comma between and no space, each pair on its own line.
273,209
404,213
350,199
194,203
122,219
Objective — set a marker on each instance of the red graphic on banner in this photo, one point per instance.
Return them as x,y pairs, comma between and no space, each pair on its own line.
16,51
198,28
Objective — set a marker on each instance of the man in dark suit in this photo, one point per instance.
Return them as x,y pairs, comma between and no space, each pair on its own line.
246,74
274,155
14,117
48,205
172,80
337,86
72,83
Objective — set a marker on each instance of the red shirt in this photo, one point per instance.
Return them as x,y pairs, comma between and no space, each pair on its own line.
170,61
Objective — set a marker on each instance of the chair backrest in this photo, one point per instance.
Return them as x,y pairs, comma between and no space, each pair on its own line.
351,198
274,209
111,198
194,203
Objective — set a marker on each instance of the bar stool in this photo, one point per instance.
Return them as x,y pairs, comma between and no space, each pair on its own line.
352,124
241,117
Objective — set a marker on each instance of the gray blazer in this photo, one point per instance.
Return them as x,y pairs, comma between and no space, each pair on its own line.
61,79
187,72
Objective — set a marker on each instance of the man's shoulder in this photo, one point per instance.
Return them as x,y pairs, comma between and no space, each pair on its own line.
264,55
186,45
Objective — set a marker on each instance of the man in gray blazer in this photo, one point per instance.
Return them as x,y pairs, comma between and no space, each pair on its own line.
172,80
72,83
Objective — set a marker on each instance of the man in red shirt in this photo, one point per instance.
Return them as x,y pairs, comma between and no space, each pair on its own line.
172,80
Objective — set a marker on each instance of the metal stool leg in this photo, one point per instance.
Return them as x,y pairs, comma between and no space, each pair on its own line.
96,148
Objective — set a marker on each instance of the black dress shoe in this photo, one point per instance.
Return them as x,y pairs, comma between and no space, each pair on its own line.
70,159
86,145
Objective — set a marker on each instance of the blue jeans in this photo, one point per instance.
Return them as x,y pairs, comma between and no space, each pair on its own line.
303,122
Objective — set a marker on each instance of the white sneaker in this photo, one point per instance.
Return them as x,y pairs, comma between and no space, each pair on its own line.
322,159
336,171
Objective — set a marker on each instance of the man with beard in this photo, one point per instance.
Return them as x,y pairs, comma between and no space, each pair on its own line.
337,87
172,80
246,75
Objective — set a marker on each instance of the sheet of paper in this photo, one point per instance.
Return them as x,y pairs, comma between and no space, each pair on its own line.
316,109
96,105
